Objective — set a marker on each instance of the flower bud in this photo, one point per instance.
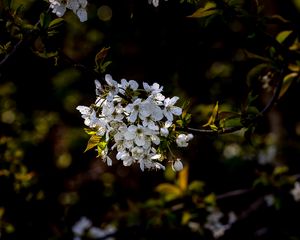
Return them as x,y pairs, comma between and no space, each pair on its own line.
177,165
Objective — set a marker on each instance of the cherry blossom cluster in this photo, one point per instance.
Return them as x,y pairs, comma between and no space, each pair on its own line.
137,124
59,7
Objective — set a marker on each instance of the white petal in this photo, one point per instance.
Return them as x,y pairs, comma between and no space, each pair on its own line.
173,100
83,3
177,165
168,115
176,110
133,116
83,110
146,85
82,14
139,140
133,85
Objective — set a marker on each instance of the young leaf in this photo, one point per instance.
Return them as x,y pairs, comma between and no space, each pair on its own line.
208,10
287,81
213,118
183,178
283,35
56,22
168,190
93,142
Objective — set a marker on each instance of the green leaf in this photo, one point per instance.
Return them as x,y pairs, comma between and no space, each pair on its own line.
231,122
196,186
93,142
170,191
208,10
213,118
279,170
56,22
46,54
183,178
44,20
283,35
287,81
210,199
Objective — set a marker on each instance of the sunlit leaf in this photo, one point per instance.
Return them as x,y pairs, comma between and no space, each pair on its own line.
231,122
93,142
186,217
196,186
280,170
295,46
210,199
170,191
56,22
287,81
297,4
283,35
208,10
213,118
183,178
294,67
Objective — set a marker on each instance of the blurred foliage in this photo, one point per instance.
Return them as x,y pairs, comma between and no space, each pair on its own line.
236,63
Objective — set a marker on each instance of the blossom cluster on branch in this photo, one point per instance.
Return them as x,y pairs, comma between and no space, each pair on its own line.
59,7
139,123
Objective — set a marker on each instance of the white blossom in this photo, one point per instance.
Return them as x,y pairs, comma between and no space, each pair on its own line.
214,224
182,139
177,165
81,226
59,8
134,122
170,108
296,191
155,3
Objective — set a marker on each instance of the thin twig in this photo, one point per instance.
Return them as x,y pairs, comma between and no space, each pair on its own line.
8,55
233,193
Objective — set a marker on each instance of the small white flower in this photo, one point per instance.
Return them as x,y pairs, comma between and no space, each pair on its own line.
214,224
296,191
133,85
81,226
82,14
113,87
99,88
164,131
73,5
170,109
95,232
138,108
182,139
154,2
59,8
177,165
